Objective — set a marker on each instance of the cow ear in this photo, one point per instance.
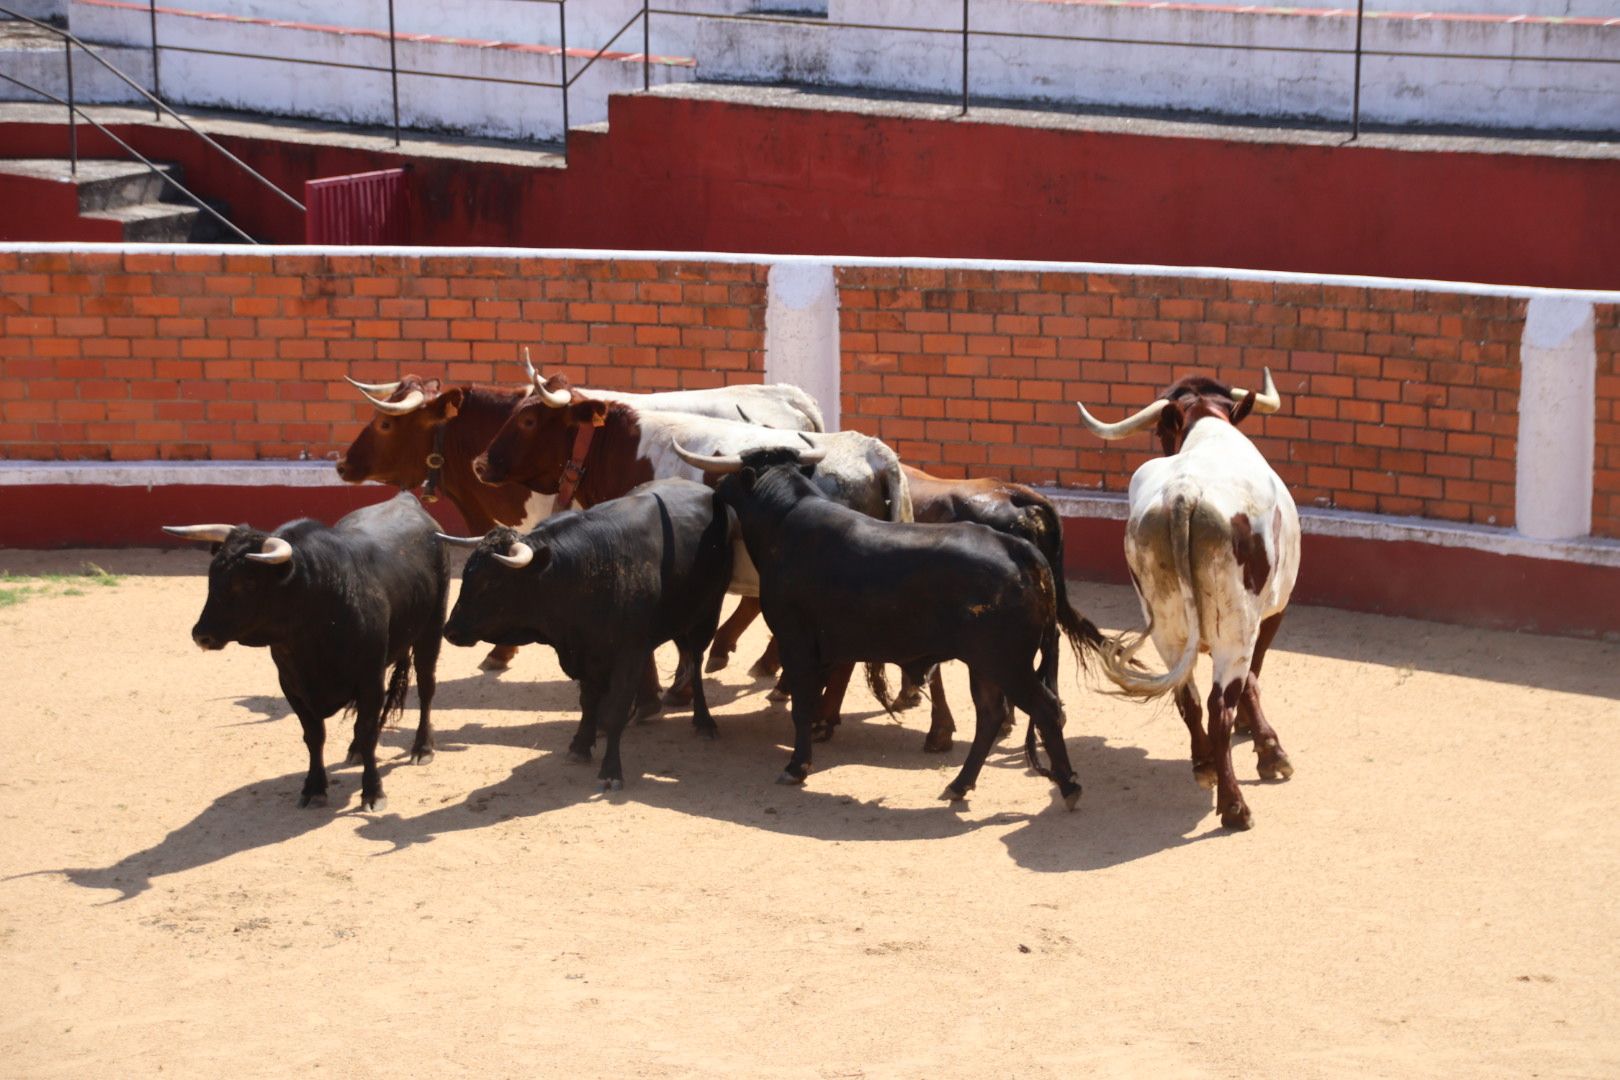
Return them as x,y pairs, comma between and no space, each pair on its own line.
746,476
1242,409
448,403
587,412
1171,422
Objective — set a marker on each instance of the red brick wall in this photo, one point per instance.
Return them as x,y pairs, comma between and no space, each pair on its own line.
1395,401
148,356
1606,481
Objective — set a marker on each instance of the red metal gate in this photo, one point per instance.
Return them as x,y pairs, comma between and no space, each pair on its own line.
366,208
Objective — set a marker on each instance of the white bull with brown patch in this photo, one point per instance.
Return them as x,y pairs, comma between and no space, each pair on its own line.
1212,541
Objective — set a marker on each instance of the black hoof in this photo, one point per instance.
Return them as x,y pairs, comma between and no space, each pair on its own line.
492,665
678,699
717,662
578,757
708,731
763,671
351,758
789,779
375,805
1071,794
952,793
822,734
422,757
316,799
936,744
908,699
612,785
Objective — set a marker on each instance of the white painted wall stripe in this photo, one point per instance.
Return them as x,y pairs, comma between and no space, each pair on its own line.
1557,413
801,333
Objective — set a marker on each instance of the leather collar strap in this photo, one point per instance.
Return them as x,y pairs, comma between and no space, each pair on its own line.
574,471
435,462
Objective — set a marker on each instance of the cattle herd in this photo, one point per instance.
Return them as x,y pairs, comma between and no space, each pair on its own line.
668,501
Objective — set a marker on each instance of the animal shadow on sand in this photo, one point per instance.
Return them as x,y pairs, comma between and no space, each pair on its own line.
1134,807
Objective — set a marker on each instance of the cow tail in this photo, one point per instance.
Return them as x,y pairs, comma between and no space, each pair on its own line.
1120,651
877,681
398,683
1083,635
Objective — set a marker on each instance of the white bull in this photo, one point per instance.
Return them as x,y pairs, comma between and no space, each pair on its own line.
1213,546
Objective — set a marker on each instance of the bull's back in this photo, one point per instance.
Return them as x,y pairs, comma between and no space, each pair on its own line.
398,566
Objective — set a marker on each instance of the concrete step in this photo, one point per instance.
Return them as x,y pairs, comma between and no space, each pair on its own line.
129,194
152,222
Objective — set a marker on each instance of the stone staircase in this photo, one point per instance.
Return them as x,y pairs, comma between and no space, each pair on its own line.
131,201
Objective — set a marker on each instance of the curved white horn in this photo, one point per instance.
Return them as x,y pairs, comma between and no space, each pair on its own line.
211,534
813,455
519,556
717,465
1266,401
528,365
408,404
1135,422
460,541
275,550
381,389
554,399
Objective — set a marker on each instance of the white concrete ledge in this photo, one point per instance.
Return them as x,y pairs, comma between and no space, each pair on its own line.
150,474
1461,288
1590,551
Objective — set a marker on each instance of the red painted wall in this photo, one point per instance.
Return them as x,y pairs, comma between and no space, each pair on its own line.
680,174
45,210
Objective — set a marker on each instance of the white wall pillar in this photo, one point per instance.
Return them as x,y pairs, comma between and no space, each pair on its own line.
801,332
1557,406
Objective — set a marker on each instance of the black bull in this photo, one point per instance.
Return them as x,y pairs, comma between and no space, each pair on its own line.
336,606
838,587
605,587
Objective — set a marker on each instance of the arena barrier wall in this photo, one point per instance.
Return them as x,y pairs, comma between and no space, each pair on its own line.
1455,449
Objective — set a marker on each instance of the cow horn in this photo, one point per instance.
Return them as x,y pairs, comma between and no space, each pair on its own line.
209,534
1266,401
717,465
534,376
554,399
745,417
519,556
275,551
460,541
381,389
813,455
408,404
1131,424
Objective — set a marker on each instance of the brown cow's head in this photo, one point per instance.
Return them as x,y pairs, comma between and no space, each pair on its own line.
394,448
1184,404
535,442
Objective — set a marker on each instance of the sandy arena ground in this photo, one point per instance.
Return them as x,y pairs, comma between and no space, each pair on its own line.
1435,893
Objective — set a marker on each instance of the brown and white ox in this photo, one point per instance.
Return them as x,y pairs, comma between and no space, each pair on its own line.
1213,546
595,450
425,433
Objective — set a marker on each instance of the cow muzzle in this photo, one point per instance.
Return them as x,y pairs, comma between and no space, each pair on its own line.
206,640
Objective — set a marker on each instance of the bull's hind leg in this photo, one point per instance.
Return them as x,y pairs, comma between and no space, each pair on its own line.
1223,700
646,694
831,703
591,688
1192,714
987,706
367,725
725,639
425,659
804,682
941,724
769,662
1273,763
1046,716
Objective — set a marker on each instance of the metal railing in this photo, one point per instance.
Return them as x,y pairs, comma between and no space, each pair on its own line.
75,113
967,33
563,84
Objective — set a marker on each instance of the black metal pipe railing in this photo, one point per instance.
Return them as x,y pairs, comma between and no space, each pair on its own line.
74,43
156,170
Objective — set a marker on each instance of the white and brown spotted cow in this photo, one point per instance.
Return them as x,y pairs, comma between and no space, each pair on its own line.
1213,545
